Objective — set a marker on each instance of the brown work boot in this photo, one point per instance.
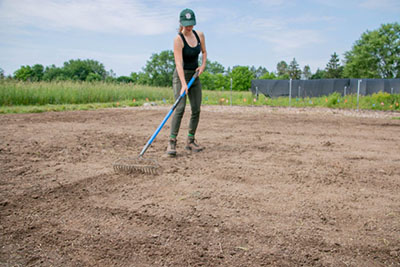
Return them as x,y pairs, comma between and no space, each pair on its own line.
171,150
192,146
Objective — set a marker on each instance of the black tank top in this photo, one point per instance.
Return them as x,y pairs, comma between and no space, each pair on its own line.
190,54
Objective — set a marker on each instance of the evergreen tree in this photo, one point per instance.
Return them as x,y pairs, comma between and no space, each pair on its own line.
294,70
258,72
282,68
333,69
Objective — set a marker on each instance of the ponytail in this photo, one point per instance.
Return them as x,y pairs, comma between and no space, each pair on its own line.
180,28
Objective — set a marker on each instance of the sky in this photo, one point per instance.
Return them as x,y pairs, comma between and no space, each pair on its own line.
123,34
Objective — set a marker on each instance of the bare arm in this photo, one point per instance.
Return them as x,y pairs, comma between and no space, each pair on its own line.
178,46
204,53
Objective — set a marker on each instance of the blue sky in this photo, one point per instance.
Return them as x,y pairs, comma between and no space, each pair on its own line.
123,34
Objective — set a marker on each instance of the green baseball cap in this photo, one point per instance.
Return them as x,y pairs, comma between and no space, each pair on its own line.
187,17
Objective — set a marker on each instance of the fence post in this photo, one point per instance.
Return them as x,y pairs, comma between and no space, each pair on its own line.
231,91
298,93
345,87
256,92
290,92
392,91
358,94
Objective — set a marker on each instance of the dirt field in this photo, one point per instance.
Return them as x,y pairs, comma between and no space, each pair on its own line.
274,187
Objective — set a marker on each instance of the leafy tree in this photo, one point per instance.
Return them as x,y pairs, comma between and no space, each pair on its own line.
37,72
376,54
160,68
54,73
1,74
124,79
282,68
223,82
24,73
92,77
242,77
268,76
144,79
213,67
80,69
307,72
134,76
333,69
319,74
207,81
294,70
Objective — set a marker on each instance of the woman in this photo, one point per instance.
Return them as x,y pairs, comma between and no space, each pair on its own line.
187,46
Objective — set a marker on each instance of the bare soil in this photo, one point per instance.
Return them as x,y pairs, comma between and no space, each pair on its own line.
274,187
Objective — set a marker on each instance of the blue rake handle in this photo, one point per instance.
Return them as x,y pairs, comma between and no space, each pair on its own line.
167,116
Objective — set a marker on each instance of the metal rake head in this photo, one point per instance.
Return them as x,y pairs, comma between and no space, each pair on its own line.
136,165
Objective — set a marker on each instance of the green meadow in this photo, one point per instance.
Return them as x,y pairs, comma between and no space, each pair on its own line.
29,97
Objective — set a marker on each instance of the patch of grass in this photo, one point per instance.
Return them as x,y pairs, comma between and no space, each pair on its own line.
29,97
69,92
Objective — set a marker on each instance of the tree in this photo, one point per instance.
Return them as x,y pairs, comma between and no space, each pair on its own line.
80,69
268,76
294,70
333,69
319,74
242,77
222,82
111,74
52,73
160,68
282,69
1,74
93,77
24,73
207,81
37,72
144,79
213,67
376,54
124,79
260,71
307,72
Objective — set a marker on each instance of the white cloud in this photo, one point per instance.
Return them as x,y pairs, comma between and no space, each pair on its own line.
111,16
288,41
280,33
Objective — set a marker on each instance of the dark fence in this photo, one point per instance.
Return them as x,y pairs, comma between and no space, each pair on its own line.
324,87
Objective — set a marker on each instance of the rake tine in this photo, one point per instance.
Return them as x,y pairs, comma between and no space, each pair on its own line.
139,165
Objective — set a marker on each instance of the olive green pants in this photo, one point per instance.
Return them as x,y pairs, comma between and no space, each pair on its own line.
195,102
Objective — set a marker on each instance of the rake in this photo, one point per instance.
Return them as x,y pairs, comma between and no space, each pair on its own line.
141,164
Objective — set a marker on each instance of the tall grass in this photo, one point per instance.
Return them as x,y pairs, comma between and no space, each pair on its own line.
22,97
68,92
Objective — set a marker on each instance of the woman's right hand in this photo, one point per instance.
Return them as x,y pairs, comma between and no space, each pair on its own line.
184,89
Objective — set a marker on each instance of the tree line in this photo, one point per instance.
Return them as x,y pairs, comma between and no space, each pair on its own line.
375,55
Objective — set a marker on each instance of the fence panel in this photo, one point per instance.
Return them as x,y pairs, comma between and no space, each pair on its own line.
324,87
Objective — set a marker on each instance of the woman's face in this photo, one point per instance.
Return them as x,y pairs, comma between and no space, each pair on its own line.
188,28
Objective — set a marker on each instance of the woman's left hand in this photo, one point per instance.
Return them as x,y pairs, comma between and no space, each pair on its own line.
200,70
